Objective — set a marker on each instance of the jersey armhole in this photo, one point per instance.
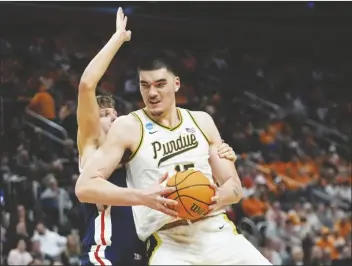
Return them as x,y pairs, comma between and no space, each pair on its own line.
140,140
194,121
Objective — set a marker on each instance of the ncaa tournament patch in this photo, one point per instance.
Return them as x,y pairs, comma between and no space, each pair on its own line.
149,125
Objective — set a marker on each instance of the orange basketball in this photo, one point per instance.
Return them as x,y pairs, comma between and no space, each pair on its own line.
193,193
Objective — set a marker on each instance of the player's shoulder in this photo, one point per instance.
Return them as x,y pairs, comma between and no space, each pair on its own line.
126,120
125,124
201,116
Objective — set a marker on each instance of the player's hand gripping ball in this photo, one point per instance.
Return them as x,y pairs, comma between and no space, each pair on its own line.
193,194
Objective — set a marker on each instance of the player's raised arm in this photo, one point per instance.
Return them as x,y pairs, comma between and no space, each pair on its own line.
88,109
224,171
92,185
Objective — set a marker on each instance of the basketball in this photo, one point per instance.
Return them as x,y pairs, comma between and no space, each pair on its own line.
193,194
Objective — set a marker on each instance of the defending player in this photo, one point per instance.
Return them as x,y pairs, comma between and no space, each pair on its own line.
111,235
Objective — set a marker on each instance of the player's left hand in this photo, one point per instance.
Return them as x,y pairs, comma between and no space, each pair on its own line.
225,151
121,23
217,199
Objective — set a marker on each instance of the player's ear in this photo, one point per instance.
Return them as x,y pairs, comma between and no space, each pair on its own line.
177,84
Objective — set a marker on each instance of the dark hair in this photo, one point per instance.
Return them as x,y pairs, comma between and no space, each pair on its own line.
105,101
157,61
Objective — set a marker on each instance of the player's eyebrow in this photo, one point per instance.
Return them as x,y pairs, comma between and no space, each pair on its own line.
156,81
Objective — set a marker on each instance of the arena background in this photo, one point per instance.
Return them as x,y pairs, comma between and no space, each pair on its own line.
275,77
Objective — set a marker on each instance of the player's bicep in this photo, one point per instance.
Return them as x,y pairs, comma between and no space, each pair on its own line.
87,114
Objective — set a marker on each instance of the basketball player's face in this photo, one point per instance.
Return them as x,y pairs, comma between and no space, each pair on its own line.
107,116
158,89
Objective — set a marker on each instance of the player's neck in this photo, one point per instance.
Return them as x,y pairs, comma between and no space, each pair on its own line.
171,118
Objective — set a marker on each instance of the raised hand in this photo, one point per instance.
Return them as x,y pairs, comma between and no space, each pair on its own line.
154,197
121,23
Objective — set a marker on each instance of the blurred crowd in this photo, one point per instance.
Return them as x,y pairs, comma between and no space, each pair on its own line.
296,176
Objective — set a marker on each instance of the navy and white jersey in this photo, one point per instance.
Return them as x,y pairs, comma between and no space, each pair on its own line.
110,237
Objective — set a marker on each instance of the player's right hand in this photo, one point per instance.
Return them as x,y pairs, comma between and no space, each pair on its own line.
153,197
121,22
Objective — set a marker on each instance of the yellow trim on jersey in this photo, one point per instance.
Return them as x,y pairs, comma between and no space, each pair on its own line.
157,246
230,223
194,121
168,128
140,141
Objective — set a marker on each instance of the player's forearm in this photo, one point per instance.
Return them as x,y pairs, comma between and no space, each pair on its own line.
98,66
100,191
231,191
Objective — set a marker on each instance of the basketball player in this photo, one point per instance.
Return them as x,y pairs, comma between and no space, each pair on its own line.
111,235
163,138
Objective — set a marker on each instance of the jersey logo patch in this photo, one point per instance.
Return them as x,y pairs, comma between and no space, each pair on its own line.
149,125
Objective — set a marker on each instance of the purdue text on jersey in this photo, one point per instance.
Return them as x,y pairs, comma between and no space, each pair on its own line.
166,151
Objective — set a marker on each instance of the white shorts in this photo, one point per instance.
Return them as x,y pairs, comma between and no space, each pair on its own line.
212,241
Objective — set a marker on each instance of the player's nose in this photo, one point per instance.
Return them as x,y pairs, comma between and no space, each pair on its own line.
152,94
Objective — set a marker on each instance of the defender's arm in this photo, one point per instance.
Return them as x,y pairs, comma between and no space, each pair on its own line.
88,109
224,171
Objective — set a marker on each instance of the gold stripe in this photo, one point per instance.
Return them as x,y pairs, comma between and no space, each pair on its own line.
230,223
141,139
158,244
194,121
168,128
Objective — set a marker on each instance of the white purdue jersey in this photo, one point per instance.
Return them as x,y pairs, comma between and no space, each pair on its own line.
164,150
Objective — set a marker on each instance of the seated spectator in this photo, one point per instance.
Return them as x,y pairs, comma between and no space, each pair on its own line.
316,257
325,242
37,254
68,118
19,255
21,216
51,243
343,227
71,254
271,254
297,255
43,102
275,213
312,217
56,202
253,207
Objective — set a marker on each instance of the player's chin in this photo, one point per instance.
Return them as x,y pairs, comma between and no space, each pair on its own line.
156,109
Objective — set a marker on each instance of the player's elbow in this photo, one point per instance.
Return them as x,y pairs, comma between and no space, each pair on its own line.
82,191
86,84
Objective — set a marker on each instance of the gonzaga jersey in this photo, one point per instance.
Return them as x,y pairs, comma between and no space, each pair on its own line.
163,150
110,237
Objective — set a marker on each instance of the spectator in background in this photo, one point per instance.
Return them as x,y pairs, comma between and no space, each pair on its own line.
37,254
19,255
55,201
270,252
21,217
51,243
71,254
297,256
312,217
43,102
253,207
68,118
275,213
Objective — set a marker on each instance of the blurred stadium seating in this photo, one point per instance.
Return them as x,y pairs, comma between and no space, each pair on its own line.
278,99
